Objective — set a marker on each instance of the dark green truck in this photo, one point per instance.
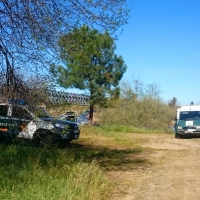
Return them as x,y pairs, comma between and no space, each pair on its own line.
187,121
21,121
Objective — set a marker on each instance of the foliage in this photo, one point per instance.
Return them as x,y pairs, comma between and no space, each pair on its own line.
144,109
173,102
30,32
192,103
90,64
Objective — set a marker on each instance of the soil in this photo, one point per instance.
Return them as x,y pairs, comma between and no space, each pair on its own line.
172,175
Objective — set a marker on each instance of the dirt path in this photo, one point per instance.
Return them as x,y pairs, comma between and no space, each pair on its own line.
173,175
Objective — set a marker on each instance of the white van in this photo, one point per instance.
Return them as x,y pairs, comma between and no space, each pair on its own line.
187,121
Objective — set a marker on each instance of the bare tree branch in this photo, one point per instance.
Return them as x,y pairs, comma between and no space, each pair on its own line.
29,32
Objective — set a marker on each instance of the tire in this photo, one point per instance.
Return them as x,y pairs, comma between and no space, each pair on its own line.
43,138
64,144
177,136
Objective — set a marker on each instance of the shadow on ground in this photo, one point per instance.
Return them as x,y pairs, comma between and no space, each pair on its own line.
110,158
106,158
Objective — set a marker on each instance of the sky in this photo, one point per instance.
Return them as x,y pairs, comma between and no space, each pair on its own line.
161,45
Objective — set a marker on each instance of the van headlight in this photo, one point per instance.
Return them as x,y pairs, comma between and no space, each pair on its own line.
179,127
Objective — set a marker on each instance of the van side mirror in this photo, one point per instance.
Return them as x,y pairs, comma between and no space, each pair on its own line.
175,119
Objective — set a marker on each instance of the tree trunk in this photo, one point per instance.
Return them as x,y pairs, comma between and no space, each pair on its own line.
91,113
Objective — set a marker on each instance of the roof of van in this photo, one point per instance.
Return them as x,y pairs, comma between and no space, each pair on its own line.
188,108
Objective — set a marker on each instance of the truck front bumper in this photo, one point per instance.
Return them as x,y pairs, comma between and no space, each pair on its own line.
188,132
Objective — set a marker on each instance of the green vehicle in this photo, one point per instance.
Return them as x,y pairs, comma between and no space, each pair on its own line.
187,121
21,121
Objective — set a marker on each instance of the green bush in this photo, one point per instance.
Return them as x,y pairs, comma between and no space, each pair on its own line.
144,109
144,113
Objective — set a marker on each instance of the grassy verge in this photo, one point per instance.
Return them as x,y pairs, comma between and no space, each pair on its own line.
111,149
78,171
39,173
117,152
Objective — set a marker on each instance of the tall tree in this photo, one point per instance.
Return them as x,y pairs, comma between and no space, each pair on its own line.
173,102
29,31
90,64
192,103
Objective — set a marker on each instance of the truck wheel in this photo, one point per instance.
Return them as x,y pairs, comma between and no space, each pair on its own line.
64,144
43,139
177,135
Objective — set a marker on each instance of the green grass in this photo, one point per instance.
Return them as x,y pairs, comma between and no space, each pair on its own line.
78,171
130,129
111,149
38,173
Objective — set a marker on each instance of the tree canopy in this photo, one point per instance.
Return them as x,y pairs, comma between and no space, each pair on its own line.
90,64
173,102
29,31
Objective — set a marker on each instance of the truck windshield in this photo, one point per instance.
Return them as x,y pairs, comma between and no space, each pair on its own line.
39,112
189,115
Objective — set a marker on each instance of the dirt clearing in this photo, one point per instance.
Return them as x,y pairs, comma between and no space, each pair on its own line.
173,174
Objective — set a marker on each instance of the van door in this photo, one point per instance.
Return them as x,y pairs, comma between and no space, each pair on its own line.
20,119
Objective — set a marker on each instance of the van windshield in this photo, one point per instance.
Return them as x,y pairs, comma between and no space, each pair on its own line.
189,115
40,112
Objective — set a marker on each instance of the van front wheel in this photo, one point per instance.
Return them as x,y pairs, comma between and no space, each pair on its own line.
177,135
43,138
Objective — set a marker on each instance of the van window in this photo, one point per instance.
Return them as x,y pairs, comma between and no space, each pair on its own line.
39,112
185,115
3,110
19,112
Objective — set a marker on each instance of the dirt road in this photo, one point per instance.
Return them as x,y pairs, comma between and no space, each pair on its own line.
173,175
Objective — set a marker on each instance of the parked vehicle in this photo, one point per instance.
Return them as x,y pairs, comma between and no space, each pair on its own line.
82,119
21,121
187,121
69,115
78,119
